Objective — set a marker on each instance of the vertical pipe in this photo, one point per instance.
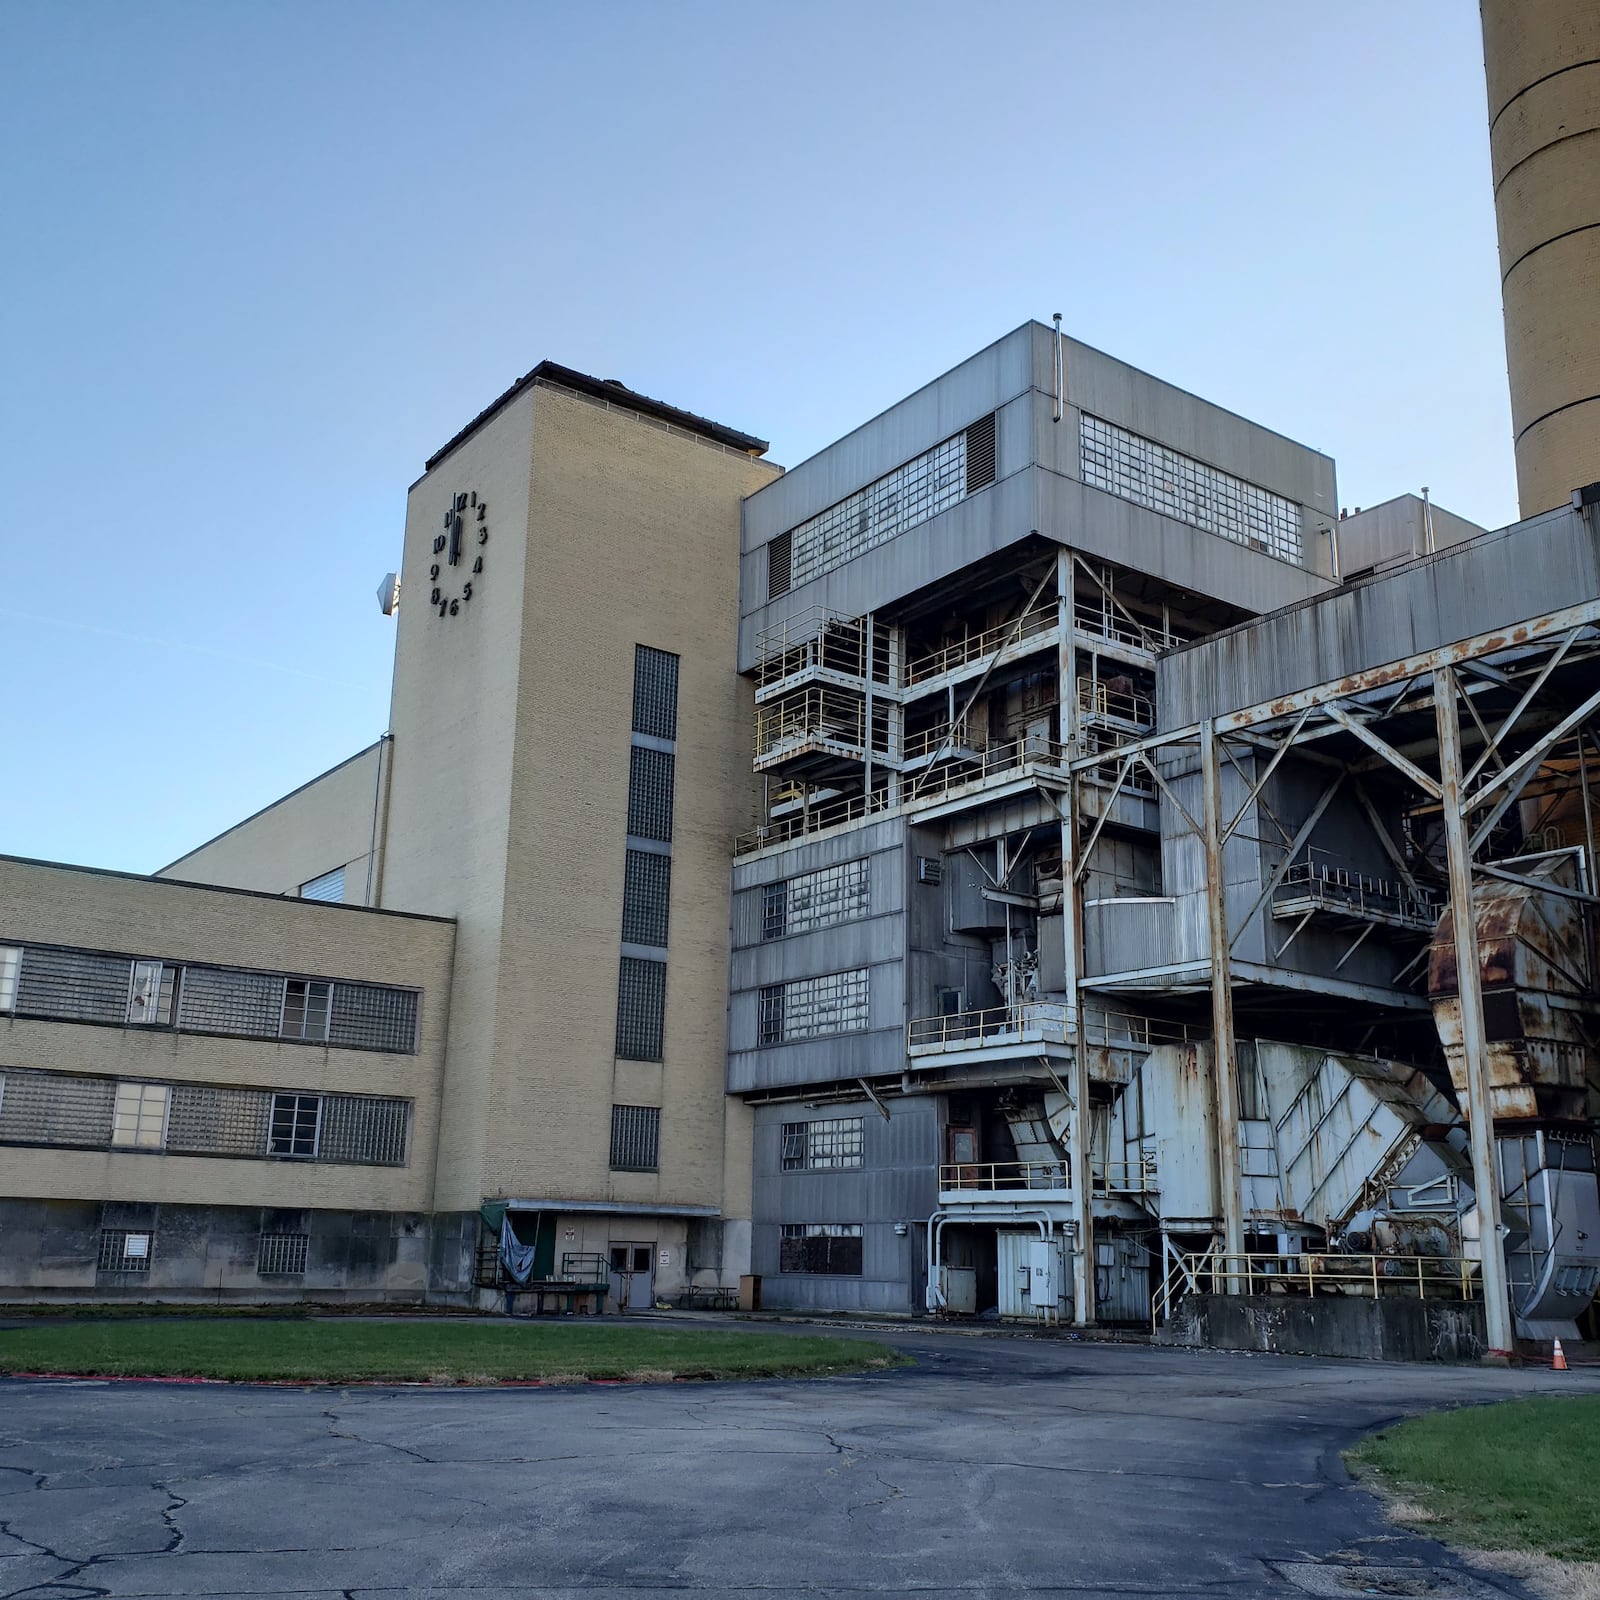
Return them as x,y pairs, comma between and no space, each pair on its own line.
1428,543
1480,1122
1083,1306
1333,552
1061,370
1225,1062
1588,815
866,765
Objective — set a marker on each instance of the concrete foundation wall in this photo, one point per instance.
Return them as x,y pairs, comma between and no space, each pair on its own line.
1329,1325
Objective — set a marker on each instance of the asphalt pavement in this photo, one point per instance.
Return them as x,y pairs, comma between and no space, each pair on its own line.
995,1466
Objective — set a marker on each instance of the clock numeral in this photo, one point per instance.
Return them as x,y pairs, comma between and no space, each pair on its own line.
447,517
477,566
472,499
438,544
483,536
455,608
461,502
433,599
444,606
466,595
483,508
433,571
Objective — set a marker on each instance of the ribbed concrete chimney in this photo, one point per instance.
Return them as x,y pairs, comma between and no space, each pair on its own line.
1542,61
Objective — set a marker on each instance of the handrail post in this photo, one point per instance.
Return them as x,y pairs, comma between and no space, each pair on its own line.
1311,1276
1374,1277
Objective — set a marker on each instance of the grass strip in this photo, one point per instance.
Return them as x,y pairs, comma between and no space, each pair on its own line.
1515,1476
316,1351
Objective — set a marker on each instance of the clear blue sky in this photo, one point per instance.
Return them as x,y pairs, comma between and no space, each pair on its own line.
263,258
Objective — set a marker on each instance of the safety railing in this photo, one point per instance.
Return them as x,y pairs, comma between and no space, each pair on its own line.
973,647
1096,699
1310,1274
1122,1030
1002,1177
812,640
1098,739
822,814
1319,881
808,717
992,762
1098,616
1125,1177
993,1025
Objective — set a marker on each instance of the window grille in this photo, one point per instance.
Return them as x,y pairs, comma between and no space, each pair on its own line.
221,1000
824,1247
1177,485
779,565
126,1249
282,1254
368,1016
305,1008
73,985
655,692
816,899
911,494
329,887
293,1129
363,1130
635,1138
153,994
10,965
57,1108
980,454
641,1009
650,777
809,1008
139,1118
646,895
827,1144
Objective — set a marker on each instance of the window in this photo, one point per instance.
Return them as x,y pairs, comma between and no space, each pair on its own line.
815,899
646,892
650,775
911,494
363,1130
641,1009
139,1118
828,1144
305,1008
282,1255
10,965
1149,474
655,692
329,887
153,994
294,1125
125,1250
635,1138
366,1016
808,1008
828,1247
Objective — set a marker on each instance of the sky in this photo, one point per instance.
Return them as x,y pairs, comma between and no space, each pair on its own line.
263,257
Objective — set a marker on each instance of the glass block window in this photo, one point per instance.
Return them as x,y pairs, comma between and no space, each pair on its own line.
655,692
153,994
635,1138
363,1130
293,1128
305,1008
810,1008
911,494
826,1247
216,1000
646,892
641,1009
828,1144
10,965
282,1255
73,985
57,1108
650,778
207,1120
139,1118
329,887
815,899
1150,474
367,1016
126,1250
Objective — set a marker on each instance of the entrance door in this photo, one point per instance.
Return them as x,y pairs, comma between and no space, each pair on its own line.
633,1279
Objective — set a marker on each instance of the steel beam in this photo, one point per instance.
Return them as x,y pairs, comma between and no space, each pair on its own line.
1480,1119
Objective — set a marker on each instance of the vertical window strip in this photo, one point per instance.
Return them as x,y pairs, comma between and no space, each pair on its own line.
655,692
650,781
641,1009
646,897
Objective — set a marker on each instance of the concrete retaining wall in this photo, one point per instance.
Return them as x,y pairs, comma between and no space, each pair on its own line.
1329,1325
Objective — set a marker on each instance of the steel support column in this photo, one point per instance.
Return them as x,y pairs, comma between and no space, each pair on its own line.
1078,1151
1225,1063
1480,1120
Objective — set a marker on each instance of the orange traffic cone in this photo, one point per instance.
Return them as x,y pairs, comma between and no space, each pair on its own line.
1558,1358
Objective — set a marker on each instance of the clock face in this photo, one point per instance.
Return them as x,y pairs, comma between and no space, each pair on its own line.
456,563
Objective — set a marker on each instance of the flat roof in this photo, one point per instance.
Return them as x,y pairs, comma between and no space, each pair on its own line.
619,394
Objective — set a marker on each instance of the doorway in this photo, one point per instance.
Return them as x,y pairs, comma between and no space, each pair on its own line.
633,1278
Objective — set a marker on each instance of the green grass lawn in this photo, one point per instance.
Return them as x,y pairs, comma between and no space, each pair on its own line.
334,1351
1516,1476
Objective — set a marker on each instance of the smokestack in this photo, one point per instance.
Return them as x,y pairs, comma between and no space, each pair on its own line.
1542,63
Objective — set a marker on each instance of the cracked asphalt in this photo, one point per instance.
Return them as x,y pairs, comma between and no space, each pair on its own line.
996,1466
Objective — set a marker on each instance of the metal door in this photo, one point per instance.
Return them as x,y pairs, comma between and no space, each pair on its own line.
633,1278
1012,1275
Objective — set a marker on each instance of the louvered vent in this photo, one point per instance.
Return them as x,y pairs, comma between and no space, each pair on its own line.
980,453
778,552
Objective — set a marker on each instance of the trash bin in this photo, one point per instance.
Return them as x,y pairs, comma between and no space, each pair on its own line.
750,1292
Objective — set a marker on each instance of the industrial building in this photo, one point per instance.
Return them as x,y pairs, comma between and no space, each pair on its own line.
1106,807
